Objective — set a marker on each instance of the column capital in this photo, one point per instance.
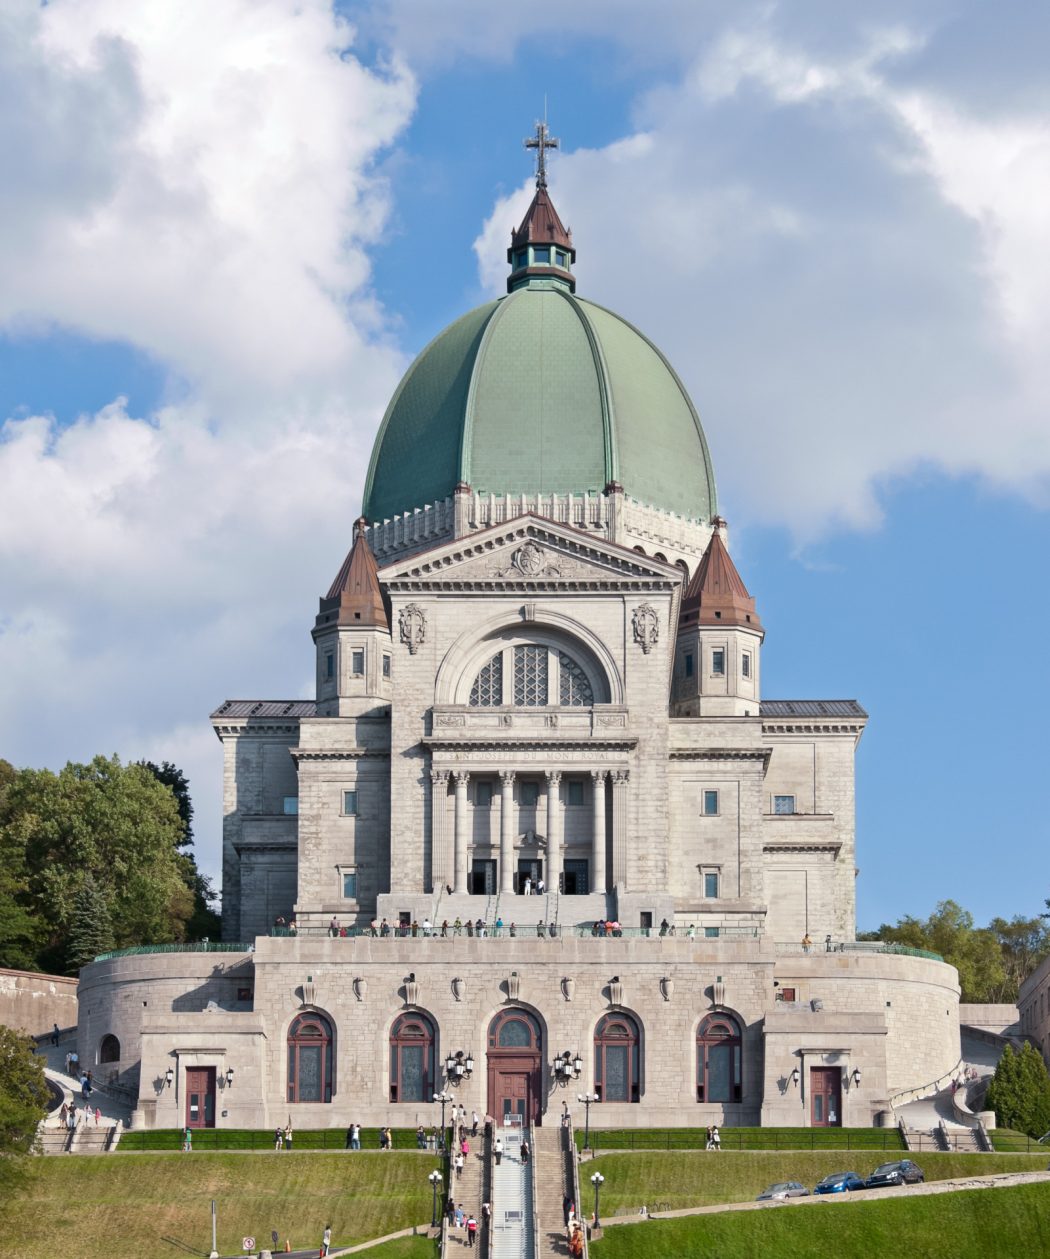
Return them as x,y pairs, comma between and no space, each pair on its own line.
439,775
507,777
621,776
553,776
462,777
599,775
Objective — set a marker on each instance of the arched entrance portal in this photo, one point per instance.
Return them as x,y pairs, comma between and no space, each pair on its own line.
515,1056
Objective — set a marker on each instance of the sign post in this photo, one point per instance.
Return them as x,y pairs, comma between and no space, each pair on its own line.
214,1246
248,1243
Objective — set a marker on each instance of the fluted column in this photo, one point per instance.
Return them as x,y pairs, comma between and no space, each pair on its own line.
621,779
462,823
598,879
506,831
441,860
553,829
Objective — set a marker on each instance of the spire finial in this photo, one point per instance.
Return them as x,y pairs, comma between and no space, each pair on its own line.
541,142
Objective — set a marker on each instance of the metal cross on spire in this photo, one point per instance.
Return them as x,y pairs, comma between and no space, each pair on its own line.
541,142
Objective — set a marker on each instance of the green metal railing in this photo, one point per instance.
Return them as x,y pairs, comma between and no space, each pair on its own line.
204,946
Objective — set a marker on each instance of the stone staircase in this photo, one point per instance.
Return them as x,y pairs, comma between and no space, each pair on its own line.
512,1202
553,1185
469,1191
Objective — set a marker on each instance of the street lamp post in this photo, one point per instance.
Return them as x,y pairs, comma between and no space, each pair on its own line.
444,1099
587,1099
597,1180
435,1180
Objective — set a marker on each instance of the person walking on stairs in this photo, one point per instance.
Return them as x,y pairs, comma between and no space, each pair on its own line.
498,1151
472,1230
524,1152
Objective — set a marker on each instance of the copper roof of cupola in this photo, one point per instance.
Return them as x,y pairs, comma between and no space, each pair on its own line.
541,252
717,595
356,597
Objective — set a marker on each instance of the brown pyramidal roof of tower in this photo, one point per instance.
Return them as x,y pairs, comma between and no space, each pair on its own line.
716,595
541,225
356,595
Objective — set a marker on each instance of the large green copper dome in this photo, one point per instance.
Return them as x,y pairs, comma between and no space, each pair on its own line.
540,393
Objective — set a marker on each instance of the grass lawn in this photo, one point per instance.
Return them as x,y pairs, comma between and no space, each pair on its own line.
888,1139
1008,1141
971,1224
405,1248
135,1142
667,1182
159,1204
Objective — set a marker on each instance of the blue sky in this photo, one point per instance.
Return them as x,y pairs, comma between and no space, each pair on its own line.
222,241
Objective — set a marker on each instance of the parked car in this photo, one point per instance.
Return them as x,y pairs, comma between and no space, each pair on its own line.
840,1182
901,1172
783,1189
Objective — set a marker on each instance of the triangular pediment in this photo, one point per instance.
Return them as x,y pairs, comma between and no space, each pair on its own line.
529,553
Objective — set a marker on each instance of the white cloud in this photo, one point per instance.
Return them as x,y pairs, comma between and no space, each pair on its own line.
848,269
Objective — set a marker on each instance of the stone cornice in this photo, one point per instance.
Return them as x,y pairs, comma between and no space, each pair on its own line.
803,845
261,726
339,754
792,726
721,754
486,743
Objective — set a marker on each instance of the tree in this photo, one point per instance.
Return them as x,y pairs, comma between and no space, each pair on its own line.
1020,1092
23,1101
90,933
173,777
112,823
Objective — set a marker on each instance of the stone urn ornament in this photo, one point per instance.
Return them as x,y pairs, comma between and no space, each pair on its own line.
666,988
568,987
458,988
360,987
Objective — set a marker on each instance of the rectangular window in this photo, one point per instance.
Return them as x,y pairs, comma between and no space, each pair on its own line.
711,884
745,664
291,805
329,665
575,792
541,253
483,795
787,994
350,884
386,666
530,795
688,664
358,663
718,662
783,804
349,803
561,259
521,259
710,804
711,933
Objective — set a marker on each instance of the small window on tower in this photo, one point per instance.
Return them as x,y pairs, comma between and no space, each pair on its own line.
711,884
386,666
783,804
291,805
350,884
329,665
688,664
718,662
561,259
575,791
745,664
349,803
541,253
358,663
710,804
521,259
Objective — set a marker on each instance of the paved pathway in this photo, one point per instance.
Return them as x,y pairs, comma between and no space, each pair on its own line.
114,1111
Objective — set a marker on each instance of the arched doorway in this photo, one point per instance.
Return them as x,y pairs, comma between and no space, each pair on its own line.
515,1058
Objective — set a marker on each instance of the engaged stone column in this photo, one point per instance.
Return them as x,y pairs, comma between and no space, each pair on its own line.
620,778
506,831
441,860
553,830
462,822
598,834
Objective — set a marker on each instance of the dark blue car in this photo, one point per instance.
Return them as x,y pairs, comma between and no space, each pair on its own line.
840,1182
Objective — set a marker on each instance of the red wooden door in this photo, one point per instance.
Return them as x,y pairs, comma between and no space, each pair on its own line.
200,1097
825,1097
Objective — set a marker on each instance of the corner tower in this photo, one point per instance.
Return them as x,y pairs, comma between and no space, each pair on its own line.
352,636
717,653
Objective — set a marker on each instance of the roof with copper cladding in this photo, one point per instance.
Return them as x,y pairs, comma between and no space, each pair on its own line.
717,594
240,708
355,597
541,224
811,708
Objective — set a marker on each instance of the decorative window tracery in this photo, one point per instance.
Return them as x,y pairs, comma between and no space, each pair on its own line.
530,676
487,691
574,685
718,1059
310,1058
412,1077
617,1054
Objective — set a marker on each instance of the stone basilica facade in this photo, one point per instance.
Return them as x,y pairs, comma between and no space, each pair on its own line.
539,706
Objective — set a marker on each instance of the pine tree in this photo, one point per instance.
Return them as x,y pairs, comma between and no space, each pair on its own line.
90,932
1020,1092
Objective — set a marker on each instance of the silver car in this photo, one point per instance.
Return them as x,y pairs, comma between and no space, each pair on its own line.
784,1189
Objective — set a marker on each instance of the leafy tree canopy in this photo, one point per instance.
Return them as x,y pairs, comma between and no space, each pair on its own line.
1020,1092
23,1101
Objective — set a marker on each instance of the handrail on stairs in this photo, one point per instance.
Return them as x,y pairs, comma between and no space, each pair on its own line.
535,1190
569,1137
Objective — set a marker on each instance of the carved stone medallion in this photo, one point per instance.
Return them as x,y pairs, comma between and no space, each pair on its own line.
413,623
646,626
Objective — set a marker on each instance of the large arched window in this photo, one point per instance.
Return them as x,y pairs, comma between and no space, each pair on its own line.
718,1066
617,1058
532,675
412,1076
109,1049
311,1058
